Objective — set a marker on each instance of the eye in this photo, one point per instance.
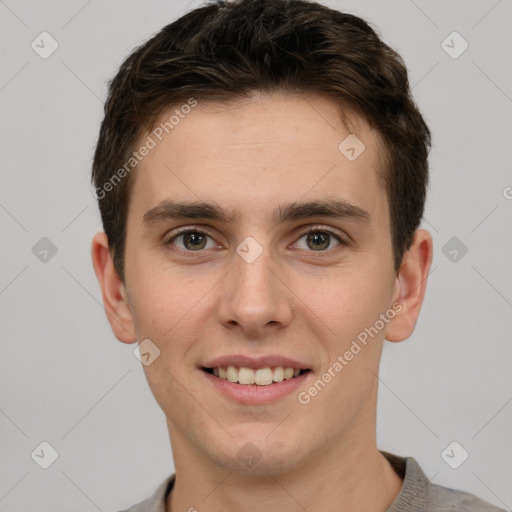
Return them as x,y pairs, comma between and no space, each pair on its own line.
192,239
195,240
320,239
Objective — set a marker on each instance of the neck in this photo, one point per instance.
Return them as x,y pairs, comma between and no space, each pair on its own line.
356,478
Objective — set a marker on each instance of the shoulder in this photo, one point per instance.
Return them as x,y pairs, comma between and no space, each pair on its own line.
420,495
156,502
444,498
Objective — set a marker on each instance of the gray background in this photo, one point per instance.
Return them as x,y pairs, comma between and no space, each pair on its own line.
66,380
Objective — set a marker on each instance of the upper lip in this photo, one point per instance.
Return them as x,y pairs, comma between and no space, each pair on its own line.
240,361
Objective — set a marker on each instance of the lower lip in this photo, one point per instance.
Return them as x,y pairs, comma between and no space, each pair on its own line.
253,394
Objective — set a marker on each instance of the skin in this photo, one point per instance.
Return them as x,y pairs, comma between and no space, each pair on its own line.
295,300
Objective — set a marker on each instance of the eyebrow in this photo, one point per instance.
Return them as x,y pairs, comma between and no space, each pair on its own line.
333,208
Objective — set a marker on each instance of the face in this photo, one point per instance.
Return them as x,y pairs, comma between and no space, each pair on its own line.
259,274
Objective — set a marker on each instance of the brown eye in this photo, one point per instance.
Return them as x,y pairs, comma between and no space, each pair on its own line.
191,240
194,241
320,240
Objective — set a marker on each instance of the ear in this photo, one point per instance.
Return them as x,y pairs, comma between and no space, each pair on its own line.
410,286
112,289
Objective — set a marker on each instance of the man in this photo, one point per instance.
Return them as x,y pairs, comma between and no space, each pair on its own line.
261,173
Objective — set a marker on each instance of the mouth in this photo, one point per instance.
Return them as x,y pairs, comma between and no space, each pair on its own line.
265,376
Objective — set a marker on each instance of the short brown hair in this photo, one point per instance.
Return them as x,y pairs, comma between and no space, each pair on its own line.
227,50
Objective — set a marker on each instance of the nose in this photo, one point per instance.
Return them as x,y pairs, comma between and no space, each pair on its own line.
254,297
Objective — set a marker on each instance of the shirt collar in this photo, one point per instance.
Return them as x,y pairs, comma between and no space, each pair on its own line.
413,492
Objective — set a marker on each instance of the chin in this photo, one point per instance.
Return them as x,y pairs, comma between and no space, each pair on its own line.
258,455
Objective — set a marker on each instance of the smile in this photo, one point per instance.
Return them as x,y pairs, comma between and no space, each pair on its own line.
259,377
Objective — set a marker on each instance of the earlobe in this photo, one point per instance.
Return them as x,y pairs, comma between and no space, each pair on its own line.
112,289
410,286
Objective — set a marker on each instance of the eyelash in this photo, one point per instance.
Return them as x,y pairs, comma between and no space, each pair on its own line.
314,229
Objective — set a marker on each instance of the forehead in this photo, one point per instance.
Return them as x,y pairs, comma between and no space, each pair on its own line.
259,152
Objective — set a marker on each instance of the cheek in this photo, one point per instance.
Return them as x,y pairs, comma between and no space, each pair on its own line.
351,307
352,304
155,305
349,303
169,308
158,297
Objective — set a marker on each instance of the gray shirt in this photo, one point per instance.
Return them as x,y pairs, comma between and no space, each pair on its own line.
417,493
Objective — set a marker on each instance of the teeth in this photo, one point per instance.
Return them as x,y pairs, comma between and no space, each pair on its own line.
232,374
278,374
246,376
260,377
